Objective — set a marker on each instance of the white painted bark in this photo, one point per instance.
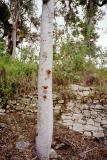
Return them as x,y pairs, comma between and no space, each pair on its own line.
45,102
14,40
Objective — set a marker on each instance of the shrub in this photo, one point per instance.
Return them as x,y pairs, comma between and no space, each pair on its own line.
69,63
12,74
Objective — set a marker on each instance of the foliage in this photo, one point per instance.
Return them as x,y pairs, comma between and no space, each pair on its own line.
101,74
2,48
12,73
19,18
72,66
69,63
28,55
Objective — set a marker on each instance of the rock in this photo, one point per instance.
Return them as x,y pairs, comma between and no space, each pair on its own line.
74,87
98,134
14,102
100,128
78,127
82,122
70,104
31,110
19,108
8,107
86,93
68,123
78,97
3,125
29,114
84,106
57,107
34,105
82,155
22,144
97,124
73,158
77,116
90,121
66,117
105,141
80,88
92,106
93,112
99,107
95,101
87,113
2,114
2,110
62,146
71,127
95,128
61,101
68,114
87,133
29,96
104,122
55,96
76,110
53,154
98,120
80,93
104,126
88,127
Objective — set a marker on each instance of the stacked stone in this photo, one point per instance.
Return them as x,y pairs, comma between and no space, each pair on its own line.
89,117
21,103
86,114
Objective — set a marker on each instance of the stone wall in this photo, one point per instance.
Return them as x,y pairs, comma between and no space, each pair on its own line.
85,111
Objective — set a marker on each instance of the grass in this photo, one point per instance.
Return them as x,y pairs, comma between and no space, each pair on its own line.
12,74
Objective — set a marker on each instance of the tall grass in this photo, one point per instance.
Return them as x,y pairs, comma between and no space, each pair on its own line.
12,73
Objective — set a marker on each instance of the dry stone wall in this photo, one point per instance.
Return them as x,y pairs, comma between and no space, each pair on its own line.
86,113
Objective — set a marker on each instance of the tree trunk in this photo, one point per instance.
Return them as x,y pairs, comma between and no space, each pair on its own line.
45,102
91,9
14,40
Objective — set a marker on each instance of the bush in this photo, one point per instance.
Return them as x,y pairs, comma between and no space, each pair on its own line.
2,48
12,74
69,63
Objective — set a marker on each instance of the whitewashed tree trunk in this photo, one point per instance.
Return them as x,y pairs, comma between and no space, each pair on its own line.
14,40
45,102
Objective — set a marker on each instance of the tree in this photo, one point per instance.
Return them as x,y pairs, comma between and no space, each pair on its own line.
16,11
92,16
45,103
5,26
69,11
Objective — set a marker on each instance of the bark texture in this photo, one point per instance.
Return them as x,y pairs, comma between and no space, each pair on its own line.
14,40
45,103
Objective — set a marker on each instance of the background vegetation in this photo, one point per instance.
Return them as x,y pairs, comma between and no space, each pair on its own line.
76,60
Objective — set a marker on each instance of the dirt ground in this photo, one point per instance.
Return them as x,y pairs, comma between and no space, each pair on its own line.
68,144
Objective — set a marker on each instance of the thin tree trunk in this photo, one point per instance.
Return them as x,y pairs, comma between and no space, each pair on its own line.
91,9
45,102
14,40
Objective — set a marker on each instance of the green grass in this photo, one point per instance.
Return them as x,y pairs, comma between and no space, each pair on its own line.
12,74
